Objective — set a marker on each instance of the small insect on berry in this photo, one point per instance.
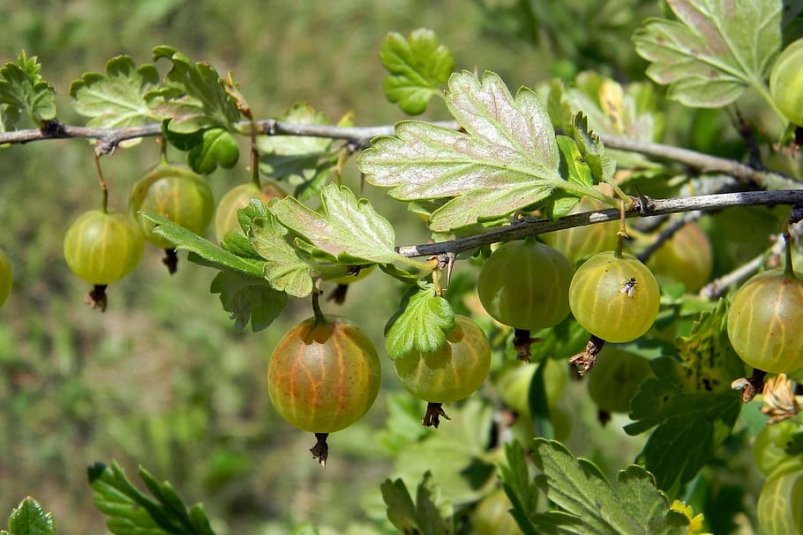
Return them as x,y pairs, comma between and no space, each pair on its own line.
629,287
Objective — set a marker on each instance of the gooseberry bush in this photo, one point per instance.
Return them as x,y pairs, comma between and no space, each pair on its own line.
565,238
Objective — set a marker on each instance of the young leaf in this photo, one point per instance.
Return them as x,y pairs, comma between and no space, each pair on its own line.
350,230
23,90
420,324
217,148
117,99
714,51
690,423
248,299
284,269
507,158
591,505
520,490
213,254
194,97
417,67
28,518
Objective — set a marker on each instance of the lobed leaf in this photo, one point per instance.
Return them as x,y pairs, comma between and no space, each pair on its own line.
417,66
217,148
421,516
519,487
420,324
29,518
118,99
248,299
194,97
284,269
714,51
24,91
506,160
348,229
591,505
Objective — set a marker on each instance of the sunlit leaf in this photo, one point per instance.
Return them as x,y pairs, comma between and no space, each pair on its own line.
507,158
29,518
24,91
118,98
417,66
714,51
284,269
420,324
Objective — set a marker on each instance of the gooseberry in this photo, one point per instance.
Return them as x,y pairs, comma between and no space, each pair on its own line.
685,257
237,198
779,510
786,82
616,378
579,243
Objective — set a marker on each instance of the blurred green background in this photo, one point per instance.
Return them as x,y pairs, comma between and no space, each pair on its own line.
163,379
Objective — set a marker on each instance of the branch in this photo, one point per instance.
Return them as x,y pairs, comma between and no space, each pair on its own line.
644,208
360,137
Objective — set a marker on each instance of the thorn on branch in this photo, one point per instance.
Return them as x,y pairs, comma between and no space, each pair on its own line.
53,129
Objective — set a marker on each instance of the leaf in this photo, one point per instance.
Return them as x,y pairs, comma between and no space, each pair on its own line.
591,505
217,148
690,424
194,97
408,517
248,299
214,255
417,67
714,51
348,229
118,99
520,489
507,158
284,269
131,512
420,324
29,518
24,91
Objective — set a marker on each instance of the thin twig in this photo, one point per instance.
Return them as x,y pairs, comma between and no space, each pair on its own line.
667,232
534,226
360,136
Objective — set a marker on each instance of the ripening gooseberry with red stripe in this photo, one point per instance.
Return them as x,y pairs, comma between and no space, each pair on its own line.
324,374
614,297
765,320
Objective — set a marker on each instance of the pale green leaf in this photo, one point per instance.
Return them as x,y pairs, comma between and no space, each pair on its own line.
214,255
420,324
714,51
116,99
217,148
348,229
417,66
24,91
194,97
591,505
284,269
507,158
29,518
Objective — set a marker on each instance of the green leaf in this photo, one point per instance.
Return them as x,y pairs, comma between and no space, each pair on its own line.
118,99
24,91
248,299
417,67
29,518
194,97
520,489
213,254
284,268
408,517
420,324
591,505
507,158
690,423
714,51
403,424
348,229
131,512
217,148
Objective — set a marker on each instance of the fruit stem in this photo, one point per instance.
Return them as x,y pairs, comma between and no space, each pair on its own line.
320,319
104,190
622,232
789,269
432,418
255,157
162,149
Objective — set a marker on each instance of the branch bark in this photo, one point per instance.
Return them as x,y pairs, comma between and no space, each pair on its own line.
360,137
643,208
